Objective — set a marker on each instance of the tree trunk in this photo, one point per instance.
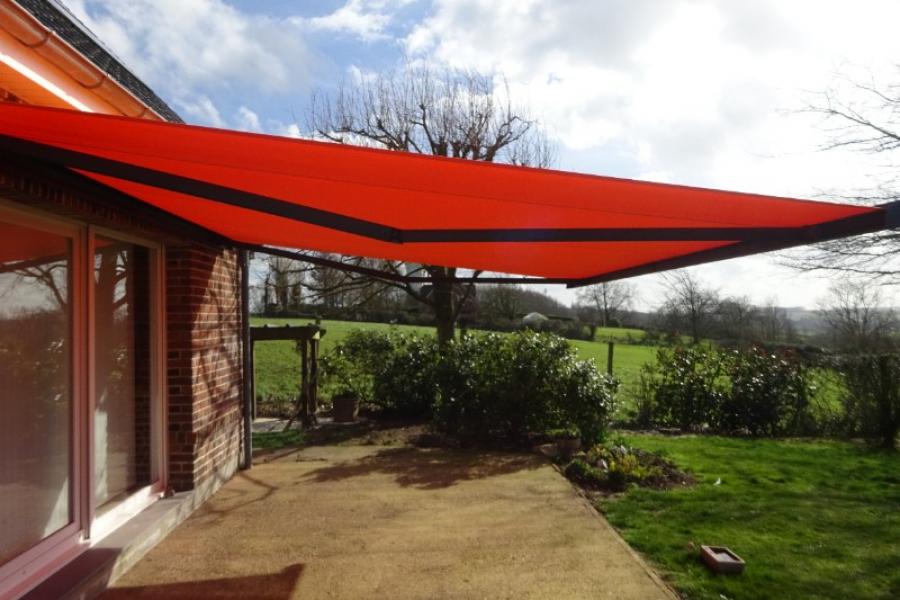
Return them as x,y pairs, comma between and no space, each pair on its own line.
444,315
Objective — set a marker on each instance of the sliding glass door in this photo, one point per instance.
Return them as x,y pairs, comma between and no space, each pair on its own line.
37,392
81,410
123,420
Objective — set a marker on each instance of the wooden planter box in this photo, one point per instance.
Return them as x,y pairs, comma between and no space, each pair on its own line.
722,560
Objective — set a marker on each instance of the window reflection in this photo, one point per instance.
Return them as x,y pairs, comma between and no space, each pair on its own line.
122,360
35,387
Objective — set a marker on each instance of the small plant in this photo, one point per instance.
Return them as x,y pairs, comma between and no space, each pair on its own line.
564,433
342,379
580,471
613,467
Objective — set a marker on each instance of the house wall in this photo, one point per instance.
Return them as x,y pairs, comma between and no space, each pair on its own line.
203,325
203,294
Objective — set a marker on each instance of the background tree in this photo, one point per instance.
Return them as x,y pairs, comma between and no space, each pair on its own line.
293,286
857,318
500,303
861,114
737,319
774,324
438,111
688,305
608,300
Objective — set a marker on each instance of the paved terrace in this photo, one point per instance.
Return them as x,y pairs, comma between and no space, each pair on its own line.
393,522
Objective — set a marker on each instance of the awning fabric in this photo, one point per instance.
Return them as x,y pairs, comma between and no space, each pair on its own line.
264,190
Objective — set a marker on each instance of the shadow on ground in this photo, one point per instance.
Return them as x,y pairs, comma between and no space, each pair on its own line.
366,431
425,468
275,586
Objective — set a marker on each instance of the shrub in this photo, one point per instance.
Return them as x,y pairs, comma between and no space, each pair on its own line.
486,388
872,399
747,390
391,370
342,377
689,388
573,330
642,415
769,394
504,388
404,380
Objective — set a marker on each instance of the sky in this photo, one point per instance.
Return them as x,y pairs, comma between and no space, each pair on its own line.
697,92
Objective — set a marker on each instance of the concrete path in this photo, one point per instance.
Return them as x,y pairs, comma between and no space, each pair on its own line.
375,522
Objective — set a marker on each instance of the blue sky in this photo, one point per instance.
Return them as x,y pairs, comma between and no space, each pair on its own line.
698,92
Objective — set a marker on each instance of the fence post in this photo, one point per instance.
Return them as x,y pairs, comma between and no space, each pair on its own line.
609,357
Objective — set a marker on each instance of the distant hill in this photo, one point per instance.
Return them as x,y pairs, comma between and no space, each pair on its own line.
808,322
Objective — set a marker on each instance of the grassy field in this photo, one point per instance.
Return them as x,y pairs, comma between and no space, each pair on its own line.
277,364
812,519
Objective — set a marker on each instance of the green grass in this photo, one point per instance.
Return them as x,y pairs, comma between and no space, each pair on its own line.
276,440
812,519
277,364
619,334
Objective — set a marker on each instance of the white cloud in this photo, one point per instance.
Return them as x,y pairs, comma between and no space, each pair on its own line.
290,130
365,19
202,110
351,19
247,120
182,45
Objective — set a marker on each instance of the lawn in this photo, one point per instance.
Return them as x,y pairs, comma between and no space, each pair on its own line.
276,440
619,334
277,364
812,519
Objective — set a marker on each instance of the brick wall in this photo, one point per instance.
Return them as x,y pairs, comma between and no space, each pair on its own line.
204,364
203,354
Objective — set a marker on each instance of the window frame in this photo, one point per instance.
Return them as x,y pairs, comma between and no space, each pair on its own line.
85,528
99,527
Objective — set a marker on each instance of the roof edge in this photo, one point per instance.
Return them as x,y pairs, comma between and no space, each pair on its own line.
71,36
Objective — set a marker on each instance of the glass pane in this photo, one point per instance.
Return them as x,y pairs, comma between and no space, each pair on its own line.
122,423
35,387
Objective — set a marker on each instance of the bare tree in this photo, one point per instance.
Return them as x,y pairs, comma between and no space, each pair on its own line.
443,112
500,302
774,323
857,318
283,282
608,299
291,283
860,114
689,305
736,319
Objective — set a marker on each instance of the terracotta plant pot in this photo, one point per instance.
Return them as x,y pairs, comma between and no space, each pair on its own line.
345,408
568,446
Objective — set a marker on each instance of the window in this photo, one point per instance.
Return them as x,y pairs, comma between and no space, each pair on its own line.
36,391
81,410
122,355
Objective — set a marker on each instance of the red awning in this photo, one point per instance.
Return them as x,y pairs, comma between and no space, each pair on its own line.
264,190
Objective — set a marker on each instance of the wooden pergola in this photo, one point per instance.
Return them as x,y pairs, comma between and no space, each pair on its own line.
307,338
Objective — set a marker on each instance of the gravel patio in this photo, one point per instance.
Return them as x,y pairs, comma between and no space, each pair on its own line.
393,522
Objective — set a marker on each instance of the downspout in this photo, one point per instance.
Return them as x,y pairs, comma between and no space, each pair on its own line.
246,349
